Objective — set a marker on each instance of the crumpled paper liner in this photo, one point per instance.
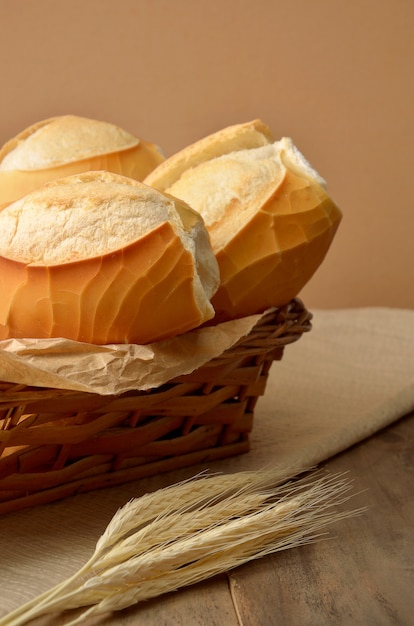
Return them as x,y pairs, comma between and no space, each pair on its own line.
116,368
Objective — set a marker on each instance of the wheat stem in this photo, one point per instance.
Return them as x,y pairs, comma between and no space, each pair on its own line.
157,544
178,569
21,614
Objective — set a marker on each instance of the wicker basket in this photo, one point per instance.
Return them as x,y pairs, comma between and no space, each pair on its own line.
55,443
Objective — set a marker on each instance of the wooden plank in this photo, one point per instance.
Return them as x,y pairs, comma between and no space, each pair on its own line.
364,573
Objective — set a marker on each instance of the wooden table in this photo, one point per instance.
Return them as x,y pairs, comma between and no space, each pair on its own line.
362,575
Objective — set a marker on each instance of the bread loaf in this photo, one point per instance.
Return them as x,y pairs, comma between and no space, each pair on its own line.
267,211
67,145
101,258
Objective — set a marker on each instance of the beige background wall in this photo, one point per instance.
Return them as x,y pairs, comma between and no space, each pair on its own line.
335,75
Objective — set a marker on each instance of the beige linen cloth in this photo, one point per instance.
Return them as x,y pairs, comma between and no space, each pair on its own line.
352,375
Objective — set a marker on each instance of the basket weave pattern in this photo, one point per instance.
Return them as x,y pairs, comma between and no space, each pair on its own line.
55,443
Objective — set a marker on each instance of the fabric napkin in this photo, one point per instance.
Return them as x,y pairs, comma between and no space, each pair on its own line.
351,376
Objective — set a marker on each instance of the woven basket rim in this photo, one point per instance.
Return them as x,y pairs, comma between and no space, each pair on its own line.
277,327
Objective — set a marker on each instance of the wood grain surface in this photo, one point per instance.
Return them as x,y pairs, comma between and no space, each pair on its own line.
362,574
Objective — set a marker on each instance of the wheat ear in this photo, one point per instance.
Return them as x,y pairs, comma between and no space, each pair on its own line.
137,512
216,524
140,511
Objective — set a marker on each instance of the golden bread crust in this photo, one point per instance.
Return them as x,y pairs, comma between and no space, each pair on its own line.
68,145
101,258
267,212
237,137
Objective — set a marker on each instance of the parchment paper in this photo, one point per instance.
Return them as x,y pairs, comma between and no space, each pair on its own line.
114,369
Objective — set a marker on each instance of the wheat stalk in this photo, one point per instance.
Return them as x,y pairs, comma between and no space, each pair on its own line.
193,492
188,532
140,511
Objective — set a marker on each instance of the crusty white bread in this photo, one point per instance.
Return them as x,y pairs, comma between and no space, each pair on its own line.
269,217
101,258
237,137
69,144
